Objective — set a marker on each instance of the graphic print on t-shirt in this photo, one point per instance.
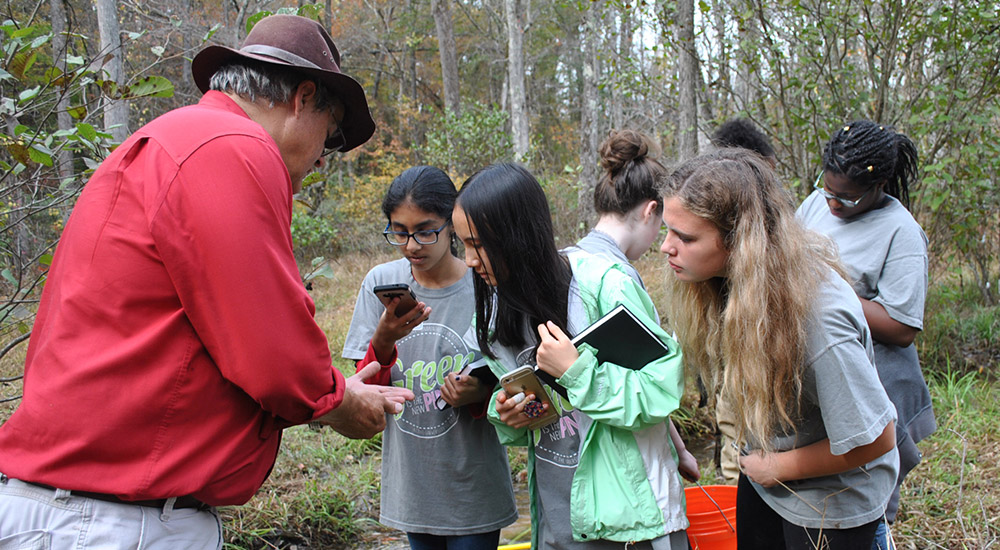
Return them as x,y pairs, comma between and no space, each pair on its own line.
425,376
559,442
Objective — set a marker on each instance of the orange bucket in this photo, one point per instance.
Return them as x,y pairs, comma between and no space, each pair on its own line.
713,524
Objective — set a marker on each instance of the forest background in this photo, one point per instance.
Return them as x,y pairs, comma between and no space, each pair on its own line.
463,83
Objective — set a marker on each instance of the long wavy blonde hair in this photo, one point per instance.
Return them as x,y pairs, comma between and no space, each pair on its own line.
746,333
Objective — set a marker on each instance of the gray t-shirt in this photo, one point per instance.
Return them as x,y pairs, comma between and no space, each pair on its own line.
842,400
557,450
601,244
885,252
443,471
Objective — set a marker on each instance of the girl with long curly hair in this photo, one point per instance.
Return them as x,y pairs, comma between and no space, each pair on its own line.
763,312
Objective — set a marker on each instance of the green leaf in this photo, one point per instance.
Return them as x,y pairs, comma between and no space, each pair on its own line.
45,259
40,157
158,50
77,112
211,32
28,94
150,86
86,131
7,274
253,19
39,41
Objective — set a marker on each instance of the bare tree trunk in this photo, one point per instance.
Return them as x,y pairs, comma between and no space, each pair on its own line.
115,111
623,60
446,46
515,70
59,50
590,135
687,123
747,89
411,59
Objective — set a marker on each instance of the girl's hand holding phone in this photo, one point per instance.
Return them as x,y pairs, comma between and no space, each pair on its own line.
464,389
391,328
556,352
511,409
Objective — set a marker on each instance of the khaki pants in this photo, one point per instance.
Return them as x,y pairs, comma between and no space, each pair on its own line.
36,518
728,456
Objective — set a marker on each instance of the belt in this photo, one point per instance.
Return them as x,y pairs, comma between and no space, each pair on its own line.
186,501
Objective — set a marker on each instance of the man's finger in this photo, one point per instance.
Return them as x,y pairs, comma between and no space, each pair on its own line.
369,370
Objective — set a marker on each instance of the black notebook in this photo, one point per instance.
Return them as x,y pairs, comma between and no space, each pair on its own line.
620,338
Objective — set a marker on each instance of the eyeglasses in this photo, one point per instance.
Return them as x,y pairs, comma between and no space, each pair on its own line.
400,238
334,142
846,203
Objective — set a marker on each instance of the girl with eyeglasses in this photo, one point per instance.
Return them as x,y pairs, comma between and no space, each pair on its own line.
445,476
604,474
862,205
762,310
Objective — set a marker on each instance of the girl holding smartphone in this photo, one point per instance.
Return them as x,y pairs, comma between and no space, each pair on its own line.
605,473
445,475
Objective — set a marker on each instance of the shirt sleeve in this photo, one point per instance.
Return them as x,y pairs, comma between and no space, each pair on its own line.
620,396
384,376
853,404
902,284
840,377
222,227
367,311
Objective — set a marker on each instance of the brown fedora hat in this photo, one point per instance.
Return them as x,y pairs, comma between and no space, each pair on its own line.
303,44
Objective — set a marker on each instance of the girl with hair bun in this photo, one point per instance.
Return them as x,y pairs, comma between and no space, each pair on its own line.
445,476
762,310
627,201
861,200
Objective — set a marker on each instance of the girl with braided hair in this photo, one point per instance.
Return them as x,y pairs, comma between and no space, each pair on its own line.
861,202
763,312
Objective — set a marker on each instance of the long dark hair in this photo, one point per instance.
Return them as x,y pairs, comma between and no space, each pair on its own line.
511,215
868,153
428,188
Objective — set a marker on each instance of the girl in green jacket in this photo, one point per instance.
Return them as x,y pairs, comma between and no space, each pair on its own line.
605,473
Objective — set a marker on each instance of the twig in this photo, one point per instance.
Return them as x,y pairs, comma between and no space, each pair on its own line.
961,482
13,343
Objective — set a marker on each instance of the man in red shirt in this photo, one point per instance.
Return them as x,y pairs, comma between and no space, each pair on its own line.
174,340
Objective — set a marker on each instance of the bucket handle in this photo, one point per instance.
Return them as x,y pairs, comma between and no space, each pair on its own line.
717,507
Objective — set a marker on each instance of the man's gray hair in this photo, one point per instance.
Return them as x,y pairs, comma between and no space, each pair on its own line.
252,81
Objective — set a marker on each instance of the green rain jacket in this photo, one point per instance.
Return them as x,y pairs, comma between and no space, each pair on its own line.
623,489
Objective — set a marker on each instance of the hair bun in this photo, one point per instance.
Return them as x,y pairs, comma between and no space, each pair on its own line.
621,147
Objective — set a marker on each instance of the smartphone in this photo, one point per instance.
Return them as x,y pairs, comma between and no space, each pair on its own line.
523,380
386,293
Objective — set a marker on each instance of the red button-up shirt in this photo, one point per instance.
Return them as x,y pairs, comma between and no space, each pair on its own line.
174,339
